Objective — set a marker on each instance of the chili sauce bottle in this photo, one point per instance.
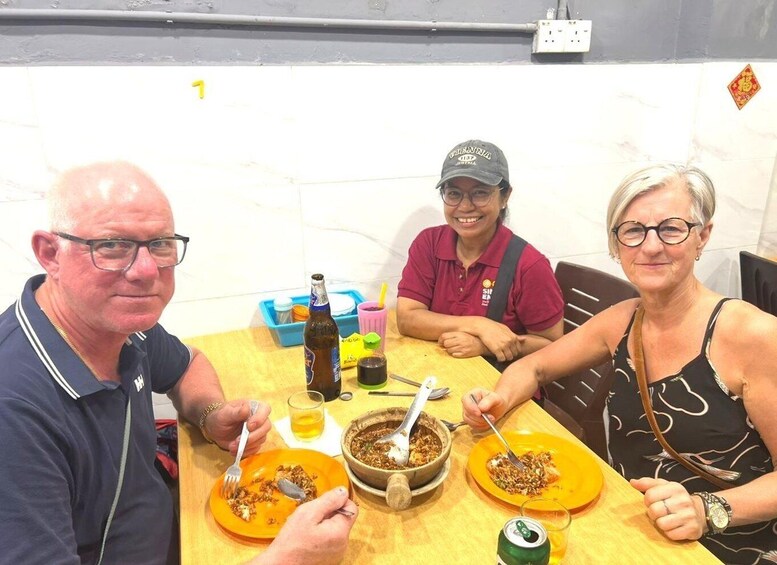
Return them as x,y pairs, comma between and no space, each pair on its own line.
371,370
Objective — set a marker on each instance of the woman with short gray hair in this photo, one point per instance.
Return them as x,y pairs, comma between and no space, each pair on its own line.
692,420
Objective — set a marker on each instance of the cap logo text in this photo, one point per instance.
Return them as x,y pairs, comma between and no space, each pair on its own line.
469,149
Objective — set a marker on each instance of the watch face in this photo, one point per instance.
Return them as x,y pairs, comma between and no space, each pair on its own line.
718,516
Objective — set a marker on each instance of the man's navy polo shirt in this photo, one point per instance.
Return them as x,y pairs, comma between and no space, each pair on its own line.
435,277
61,432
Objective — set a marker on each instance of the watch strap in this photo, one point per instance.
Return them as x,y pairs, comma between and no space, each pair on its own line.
708,499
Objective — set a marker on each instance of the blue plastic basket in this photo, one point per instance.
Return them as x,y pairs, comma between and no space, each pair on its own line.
291,334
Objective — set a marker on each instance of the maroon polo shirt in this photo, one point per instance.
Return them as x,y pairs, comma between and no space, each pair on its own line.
434,276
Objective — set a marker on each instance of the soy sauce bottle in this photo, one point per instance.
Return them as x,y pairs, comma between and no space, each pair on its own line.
371,371
322,343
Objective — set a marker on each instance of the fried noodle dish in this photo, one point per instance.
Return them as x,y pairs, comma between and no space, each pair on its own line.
537,474
263,490
425,446
243,503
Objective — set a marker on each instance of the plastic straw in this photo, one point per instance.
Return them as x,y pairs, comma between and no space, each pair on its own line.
382,298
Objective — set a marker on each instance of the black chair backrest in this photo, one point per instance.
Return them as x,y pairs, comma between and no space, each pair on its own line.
577,401
759,281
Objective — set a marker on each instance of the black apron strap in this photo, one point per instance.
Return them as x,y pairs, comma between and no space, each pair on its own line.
504,279
504,283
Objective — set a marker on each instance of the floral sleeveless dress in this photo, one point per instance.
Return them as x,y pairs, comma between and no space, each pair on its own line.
703,421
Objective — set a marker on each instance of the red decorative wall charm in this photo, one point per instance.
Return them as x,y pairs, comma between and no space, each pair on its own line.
744,87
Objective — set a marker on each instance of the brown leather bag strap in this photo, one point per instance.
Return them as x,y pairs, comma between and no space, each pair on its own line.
639,368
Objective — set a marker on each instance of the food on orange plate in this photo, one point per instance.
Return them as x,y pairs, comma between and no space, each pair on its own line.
263,490
297,475
425,446
538,472
242,503
266,490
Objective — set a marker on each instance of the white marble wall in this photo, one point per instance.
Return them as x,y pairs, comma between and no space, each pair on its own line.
279,172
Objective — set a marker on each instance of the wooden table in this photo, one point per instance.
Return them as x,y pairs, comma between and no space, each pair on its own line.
456,523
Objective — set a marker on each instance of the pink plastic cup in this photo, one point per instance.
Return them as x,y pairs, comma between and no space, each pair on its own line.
373,319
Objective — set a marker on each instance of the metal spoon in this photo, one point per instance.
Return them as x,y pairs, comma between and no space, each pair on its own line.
436,393
294,492
451,425
512,457
400,438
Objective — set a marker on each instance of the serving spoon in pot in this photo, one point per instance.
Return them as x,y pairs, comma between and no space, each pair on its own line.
400,438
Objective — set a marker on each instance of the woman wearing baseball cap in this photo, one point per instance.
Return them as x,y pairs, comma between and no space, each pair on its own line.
449,282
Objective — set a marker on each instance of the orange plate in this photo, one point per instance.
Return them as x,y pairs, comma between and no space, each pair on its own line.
329,474
580,481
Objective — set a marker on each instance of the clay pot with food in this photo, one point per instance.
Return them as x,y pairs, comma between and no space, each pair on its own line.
424,463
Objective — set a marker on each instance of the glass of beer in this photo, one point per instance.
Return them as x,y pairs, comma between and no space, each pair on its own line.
306,413
555,518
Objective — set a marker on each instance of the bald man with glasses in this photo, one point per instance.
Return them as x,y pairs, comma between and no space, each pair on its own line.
82,351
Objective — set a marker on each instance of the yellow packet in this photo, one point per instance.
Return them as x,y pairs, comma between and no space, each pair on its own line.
351,350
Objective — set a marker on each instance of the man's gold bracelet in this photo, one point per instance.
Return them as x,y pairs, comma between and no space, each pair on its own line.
210,408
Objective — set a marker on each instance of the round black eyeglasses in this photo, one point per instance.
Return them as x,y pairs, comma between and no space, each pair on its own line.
671,231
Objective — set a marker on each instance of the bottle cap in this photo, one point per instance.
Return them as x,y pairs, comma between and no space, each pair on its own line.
372,341
282,303
300,313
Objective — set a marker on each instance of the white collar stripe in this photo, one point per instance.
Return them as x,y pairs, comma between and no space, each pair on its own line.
41,352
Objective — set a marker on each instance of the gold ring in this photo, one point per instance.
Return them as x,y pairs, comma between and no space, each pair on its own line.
666,506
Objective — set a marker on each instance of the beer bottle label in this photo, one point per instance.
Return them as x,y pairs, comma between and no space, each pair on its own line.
335,364
310,358
318,298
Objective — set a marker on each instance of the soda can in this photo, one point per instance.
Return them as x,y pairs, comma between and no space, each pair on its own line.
523,541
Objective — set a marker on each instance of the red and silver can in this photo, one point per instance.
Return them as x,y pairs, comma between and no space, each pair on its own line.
523,541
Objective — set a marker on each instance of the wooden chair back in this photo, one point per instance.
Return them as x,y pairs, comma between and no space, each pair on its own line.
759,281
577,401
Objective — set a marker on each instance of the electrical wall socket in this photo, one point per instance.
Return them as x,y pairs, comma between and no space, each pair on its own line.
549,37
577,38
562,36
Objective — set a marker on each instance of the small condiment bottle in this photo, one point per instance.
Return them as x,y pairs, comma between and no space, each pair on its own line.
371,370
282,306
300,313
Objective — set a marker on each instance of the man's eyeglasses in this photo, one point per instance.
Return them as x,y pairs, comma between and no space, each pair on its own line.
671,231
120,254
478,197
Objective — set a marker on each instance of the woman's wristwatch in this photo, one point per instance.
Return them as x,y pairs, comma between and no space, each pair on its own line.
717,511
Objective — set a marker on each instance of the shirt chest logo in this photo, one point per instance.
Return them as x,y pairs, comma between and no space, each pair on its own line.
487,290
139,383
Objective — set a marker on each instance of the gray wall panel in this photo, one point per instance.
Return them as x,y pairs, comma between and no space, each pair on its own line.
626,31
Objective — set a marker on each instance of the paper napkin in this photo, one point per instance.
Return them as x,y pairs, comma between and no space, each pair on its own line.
328,443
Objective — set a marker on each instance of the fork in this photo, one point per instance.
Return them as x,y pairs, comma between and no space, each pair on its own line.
512,457
232,476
